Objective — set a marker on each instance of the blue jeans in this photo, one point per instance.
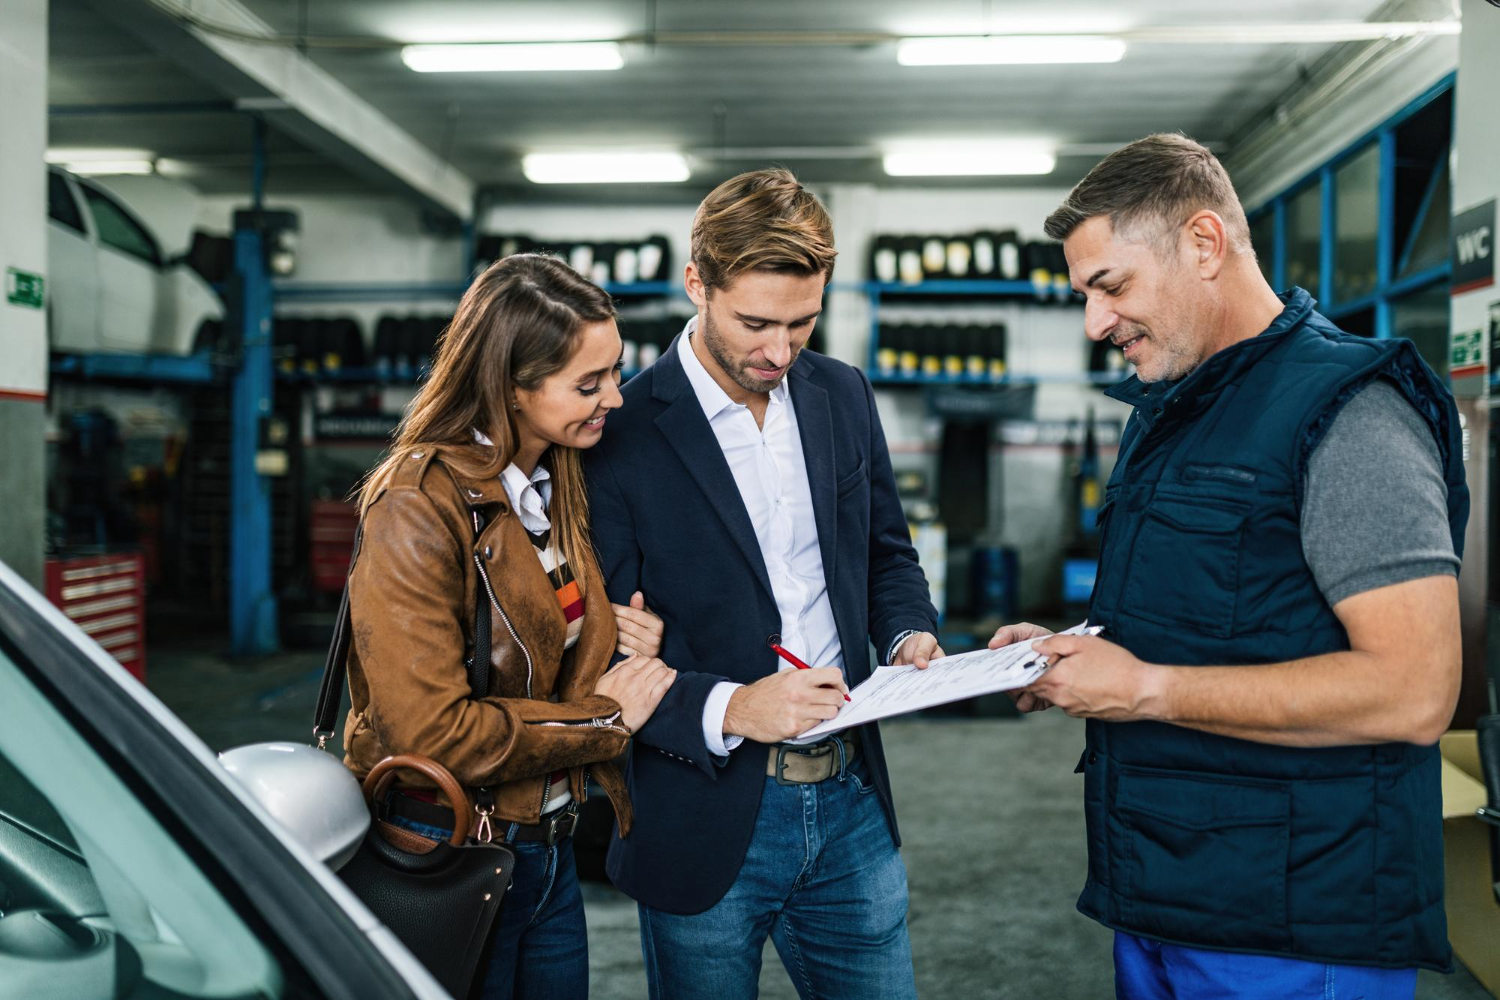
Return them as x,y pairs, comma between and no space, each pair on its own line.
823,878
1150,970
541,945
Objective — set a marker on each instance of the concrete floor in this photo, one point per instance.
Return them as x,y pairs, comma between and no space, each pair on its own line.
993,880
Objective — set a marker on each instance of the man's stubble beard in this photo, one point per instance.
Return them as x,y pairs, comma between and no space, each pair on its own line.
732,366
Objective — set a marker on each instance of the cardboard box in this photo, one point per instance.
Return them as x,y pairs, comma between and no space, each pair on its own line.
1473,912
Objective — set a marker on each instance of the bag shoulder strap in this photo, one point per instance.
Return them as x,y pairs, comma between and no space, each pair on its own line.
331,689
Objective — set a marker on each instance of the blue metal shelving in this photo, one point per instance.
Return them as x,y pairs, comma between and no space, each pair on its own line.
195,369
1021,292
1390,259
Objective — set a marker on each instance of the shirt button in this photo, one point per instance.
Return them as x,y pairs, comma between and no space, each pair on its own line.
1093,758
488,553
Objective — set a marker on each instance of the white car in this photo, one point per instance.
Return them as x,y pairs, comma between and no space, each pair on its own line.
111,288
133,866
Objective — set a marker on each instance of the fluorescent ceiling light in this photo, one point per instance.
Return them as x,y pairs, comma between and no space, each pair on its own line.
105,168
605,167
82,154
513,57
994,50
969,160
93,162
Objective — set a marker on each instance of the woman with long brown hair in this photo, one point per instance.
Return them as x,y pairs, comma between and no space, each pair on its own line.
481,502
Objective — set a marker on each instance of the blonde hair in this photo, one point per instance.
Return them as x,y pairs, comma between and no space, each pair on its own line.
517,324
761,221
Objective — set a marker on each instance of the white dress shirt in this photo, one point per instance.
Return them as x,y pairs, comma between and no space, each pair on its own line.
529,496
771,474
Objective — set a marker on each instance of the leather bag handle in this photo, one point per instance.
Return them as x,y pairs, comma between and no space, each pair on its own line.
378,782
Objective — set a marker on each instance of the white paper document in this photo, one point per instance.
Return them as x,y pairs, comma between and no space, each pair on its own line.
898,690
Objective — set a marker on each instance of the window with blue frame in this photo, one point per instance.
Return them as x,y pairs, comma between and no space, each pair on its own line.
1367,232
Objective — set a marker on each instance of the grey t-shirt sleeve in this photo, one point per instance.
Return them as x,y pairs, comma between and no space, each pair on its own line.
1375,505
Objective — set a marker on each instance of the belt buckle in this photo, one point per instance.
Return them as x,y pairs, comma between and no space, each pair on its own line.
782,750
555,832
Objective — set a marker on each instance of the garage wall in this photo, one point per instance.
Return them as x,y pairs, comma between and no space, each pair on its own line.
1476,181
23,246
1030,486
361,240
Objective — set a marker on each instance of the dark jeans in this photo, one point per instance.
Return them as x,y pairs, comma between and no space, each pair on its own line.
541,946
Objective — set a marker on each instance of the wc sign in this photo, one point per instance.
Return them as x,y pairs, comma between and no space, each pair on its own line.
1474,248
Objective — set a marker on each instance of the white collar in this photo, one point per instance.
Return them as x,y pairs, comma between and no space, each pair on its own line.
711,395
529,495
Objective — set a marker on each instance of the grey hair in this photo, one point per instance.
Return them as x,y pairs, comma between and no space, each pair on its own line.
1151,187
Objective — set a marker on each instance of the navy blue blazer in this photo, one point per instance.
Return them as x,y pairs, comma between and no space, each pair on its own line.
668,521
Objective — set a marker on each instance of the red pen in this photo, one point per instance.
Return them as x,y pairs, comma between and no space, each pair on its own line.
781,651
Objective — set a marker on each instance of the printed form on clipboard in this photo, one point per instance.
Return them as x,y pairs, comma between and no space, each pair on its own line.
898,690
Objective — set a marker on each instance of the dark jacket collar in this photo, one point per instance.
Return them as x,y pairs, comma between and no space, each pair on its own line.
1190,395
1221,368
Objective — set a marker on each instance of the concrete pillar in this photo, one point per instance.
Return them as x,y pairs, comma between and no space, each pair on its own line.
23,269
1476,315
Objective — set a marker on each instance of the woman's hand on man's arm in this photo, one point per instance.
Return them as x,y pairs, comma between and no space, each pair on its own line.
639,627
637,684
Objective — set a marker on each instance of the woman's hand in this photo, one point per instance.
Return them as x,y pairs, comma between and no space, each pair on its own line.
638,685
640,628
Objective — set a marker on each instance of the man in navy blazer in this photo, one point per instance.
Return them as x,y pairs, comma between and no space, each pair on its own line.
746,490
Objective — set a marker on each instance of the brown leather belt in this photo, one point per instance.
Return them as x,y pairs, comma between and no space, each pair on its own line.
554,825
790,764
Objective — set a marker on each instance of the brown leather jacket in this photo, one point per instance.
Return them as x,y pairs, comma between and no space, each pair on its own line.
412,596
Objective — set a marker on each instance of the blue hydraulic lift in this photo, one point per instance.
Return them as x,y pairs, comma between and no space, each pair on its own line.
252,603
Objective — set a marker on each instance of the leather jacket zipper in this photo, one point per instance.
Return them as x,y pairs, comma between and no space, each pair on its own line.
483,576
546,791
602,723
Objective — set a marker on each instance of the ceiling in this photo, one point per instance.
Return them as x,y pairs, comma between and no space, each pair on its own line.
823,110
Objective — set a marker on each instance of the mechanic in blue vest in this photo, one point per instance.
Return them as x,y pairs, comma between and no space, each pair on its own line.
1278,586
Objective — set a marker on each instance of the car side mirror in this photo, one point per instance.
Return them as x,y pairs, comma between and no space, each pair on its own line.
308,791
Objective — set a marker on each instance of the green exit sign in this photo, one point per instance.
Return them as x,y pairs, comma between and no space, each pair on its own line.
22,288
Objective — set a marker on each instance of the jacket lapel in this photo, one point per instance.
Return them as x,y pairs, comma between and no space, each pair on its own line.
686,429
815,428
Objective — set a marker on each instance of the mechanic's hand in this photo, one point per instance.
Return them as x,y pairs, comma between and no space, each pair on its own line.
919,650
1026,700
640,628
638,685
785,704
1092,678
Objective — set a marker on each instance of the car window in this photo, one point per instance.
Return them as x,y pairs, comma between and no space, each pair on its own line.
117,229
97,898
61,206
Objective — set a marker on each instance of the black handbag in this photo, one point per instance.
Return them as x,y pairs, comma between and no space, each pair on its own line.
441,899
